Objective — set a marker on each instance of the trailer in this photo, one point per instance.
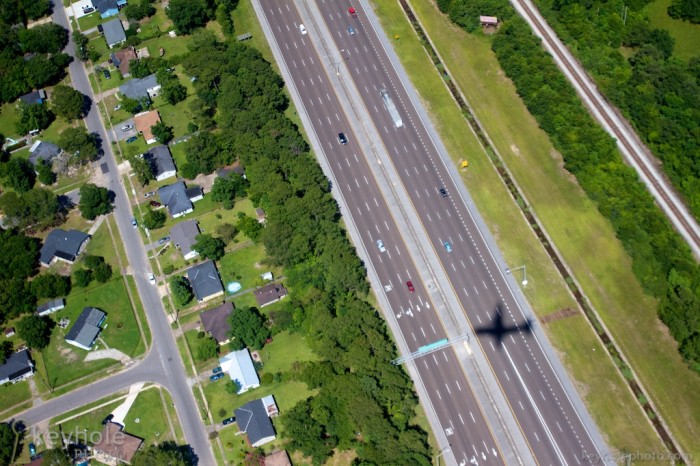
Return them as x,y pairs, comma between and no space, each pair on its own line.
389,105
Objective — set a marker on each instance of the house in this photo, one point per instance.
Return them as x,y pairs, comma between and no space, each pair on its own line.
215,322
84,331
62,245
488,21
239,366
141,88
9,332
113,32
50,307
108,8
34,97
115,445
205,281
260,214
278,458
18,366
161,162
43,150
269,294
183,236
144,121
253,421
235,167
178,198
122,58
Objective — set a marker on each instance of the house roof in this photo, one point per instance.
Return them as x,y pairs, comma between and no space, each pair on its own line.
205,280
63,244
137,88
51,306
86,327
270,293
113,31
194,192
144,121
270,405
253,420
278,458
215,321
488,19
160,159
34,97
16,365
239,366
103,6
117,444
121,59
183,235
43,150
175,197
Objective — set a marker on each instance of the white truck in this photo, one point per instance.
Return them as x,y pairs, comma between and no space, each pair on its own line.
389,104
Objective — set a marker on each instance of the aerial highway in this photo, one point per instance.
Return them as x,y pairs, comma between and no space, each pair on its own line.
547,410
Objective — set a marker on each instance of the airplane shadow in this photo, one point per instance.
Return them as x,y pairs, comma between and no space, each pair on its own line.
498,330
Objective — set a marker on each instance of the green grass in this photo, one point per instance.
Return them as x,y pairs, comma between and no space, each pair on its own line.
8,119
569,217
88,426
13,394
245,266
92,20
686,34
181,342
285,349
152,425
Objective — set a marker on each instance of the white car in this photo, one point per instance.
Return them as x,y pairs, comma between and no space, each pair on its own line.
151,279
380,245
127,127
302,29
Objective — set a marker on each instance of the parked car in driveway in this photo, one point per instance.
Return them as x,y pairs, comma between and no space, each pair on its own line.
149,194
127,127
217,370
155,204
216,377
107,74
131,139
229,420
164,240
32,449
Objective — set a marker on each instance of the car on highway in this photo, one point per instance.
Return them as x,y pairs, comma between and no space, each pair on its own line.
302,29
342,138
448,246
217,370
443,192
134,223
216,377
352,12
164,240
351,31
155,204
380,245
127,127
410,286
131,139
229,420
151,279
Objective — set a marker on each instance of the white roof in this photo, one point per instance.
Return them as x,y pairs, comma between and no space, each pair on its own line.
239,366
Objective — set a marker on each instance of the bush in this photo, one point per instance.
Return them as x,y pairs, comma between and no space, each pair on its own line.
267,378
181,289
154,219
82,277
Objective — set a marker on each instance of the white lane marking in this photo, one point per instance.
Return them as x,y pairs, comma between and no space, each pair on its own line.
460,418
438,394
506,374
457,383
462,262
472,416
377,204
449,392
431,326
465,291
472,259
492,347
521,405
478,318
414,336
435,359
422,331
386,225
445,355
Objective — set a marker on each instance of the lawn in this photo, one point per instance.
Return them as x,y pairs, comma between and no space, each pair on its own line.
90,21
574,225
8,119
286,349
244,266
686,34
12,395
88,426
147,418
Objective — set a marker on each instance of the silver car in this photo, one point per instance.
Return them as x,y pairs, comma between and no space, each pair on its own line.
380,245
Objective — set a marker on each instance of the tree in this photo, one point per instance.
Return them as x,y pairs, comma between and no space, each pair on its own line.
19,174
138,11
181,289
51,285
92,261
141,165
94,201
35,331
233,386
36,209
82,277
227,188
45,38
7,443
81,46
306,434
80,144
45,174
16,298
248,327
103,272
210,247
208,349
226,232
33,117
56,457
162,133
154,219
6,350
20,254
134,106
249,226
174,92
187,15
68,103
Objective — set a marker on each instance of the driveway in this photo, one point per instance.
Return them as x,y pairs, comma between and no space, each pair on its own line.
122,134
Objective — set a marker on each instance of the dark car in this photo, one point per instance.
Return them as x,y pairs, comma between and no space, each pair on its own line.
342,139
164,240
131,139
443,192
217,370
32,449
229,420
216,377
155,204
410,286
107,74
107,419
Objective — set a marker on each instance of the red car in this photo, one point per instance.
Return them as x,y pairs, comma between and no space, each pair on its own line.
351,12
155,204
410,286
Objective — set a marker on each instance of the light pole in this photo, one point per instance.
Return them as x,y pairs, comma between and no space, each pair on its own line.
336,63
522,267
440,453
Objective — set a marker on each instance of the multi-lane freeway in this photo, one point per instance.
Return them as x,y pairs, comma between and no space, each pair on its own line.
443,252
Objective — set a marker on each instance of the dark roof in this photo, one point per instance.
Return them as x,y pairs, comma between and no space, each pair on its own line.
116,443
34,97
175,197
160,159
215,321
122,58
114,32
205,280
104,6
194,191
183,235
52,306
43,150
63,244
16,366
86,327
137,88
269,294
252,419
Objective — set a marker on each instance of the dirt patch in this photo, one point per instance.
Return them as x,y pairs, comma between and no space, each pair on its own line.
205,181
558,315
515,149
68,355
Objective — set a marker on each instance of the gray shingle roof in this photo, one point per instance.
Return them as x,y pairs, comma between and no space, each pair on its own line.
252,419
104,5
137,88
63,244
34,97
43,150
16,366
175,197
215,321
51,306
183,235
270,293
86,327
114,32
205,280
160,159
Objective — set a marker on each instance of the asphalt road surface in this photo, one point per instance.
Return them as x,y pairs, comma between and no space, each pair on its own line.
548,411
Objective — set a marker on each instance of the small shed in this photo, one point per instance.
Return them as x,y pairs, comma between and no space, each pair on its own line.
488,21
9,332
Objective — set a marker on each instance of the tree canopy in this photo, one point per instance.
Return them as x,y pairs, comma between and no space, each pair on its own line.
51,285
68,103
227,188
187,15
7,443
33,117
19,174
94,201
36,209
209,246
81,145
35,331
181,289
248,328
154,219
166,453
